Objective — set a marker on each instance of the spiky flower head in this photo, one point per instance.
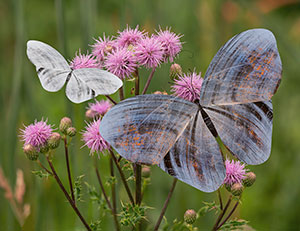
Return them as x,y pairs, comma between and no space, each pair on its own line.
170,42
54,140
97,109
84,61
102,47
235,172
190,216
129,37
92,138
188,86
149,52
121,62
37,134
30,151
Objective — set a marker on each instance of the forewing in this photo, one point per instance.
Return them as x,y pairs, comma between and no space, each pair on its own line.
246,129
100,81
51,66
196,158
144,128
246,69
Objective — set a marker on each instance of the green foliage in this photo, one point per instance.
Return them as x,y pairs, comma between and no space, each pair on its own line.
132,214
41,174
95,197
96,225
235,225
208,206
78,188
111,180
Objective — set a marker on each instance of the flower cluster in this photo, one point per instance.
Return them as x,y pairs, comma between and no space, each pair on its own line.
130,49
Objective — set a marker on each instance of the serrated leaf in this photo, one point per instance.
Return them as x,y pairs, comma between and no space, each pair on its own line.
41,173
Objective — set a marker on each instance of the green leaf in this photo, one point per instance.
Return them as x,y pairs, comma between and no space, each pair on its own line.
96,225
41,173
132,214
78,188
236,225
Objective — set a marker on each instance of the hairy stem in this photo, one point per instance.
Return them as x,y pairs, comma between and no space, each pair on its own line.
222,213
162,213
122,176
43,167
67,195
229,215
68,169
138,184
148,81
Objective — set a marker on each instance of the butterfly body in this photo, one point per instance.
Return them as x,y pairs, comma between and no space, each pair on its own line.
81,84
234,105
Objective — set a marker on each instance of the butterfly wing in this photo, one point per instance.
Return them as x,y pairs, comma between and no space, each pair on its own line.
87,83
246,129
51,66
246,69
196,158
144,128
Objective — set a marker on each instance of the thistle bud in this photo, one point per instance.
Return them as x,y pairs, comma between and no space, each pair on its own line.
146,171
54,140
228,187
190,216
31,152
249,180
71,131
65,123
89,114
175,70
237,189
45,148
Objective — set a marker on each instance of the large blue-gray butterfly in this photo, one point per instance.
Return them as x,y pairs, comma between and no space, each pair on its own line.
234,104
81,84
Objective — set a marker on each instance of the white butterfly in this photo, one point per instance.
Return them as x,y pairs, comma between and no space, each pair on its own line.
81,84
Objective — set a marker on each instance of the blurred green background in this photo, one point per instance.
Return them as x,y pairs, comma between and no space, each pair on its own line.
273,203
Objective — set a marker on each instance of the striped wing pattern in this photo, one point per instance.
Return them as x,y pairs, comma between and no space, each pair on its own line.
246,69
144,128
246,129
196,158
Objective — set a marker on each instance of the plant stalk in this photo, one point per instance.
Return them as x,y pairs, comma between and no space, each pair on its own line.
68,169
148,81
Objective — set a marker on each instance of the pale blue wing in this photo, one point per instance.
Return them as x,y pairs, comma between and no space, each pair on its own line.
246,69
144,128
246,129
196,158
51,66
87,83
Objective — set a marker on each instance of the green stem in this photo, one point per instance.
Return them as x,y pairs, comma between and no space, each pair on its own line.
229,215
162,213
222,213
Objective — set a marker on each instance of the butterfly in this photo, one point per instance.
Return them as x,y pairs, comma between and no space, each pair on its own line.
81,84
234,106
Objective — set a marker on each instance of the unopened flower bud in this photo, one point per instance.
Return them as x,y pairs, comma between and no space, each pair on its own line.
89,114
175,70
228,187
146,171
160,93
71,131
237,189
31,152
45,148
249,180
54,140
190,216
65,123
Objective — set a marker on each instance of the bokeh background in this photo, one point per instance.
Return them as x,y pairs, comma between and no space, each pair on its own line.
273,203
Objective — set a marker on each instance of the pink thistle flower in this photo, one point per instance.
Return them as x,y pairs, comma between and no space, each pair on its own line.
235,172
99,108
121,62
84,61
102,47
170,42
188,86
149,52
92,138
129,37
36,134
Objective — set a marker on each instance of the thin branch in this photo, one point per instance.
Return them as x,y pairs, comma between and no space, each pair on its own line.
121,93
165,205
68,169
43,167
222,213
122,176
114,102
229,215
113,195
137,82
138,184
220,199
67,195
148,80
